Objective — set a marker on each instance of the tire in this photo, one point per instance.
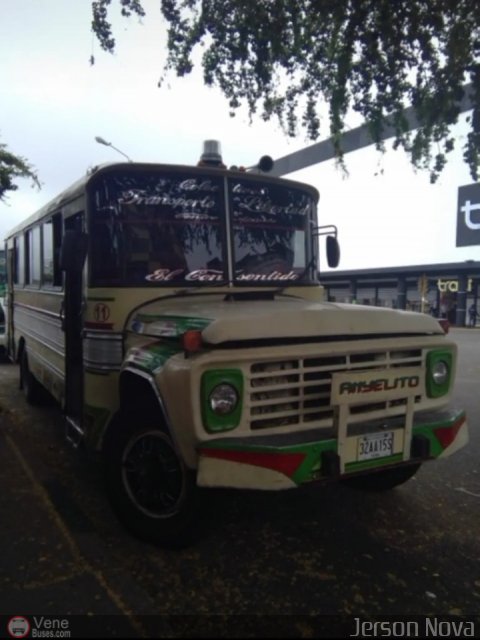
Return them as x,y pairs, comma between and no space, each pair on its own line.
383,480
150,489
32,389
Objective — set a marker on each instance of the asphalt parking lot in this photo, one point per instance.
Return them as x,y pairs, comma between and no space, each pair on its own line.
265,565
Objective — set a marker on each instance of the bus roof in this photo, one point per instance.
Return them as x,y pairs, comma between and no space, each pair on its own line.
67,195
76,189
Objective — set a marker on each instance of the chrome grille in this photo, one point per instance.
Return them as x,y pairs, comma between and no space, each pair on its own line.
297,391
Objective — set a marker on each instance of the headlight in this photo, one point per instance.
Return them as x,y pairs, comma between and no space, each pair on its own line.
440,372
223,399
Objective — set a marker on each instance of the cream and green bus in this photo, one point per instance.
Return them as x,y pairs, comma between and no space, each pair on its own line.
176,314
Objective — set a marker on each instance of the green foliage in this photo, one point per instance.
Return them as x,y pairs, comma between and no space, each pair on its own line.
290,58
11,168
101,26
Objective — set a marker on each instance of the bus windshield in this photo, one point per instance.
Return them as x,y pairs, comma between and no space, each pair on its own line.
269,230
152,227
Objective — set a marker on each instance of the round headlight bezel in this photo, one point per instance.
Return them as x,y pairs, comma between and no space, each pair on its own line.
223,399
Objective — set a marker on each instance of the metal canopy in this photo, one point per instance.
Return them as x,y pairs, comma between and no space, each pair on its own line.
351,141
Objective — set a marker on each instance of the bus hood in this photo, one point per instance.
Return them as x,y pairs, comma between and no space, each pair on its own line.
223,321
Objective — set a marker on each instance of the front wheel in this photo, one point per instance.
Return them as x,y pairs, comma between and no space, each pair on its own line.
151,490
383,480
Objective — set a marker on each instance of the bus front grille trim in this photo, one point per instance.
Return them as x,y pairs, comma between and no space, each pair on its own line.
297,391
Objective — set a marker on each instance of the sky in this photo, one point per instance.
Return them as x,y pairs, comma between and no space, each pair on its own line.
53,103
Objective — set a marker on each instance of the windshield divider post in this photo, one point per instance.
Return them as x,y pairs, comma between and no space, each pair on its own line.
228,231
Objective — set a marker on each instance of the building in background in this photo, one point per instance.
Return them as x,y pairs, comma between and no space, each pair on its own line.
444,290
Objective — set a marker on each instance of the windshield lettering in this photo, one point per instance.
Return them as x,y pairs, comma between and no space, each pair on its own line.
139,197
274,275
260,205
192,185
163,275
205,275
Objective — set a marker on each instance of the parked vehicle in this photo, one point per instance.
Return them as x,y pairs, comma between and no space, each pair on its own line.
175,312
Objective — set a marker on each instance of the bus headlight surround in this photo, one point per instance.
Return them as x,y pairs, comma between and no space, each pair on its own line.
439,373
223,399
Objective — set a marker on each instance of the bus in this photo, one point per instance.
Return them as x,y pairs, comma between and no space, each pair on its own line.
177,315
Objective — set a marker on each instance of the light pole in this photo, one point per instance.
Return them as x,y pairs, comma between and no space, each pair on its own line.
109,144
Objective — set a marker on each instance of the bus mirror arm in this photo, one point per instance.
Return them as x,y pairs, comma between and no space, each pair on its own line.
73,251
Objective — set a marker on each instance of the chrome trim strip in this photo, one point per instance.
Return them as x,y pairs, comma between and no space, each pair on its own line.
38,310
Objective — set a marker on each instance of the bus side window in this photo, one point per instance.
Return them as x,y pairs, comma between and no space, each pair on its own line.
19,260
27,257
52,240
57,245
104,258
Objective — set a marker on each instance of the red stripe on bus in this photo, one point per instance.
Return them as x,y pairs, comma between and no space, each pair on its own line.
99,325
286,463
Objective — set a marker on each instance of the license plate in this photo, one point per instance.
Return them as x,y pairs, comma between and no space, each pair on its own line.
378,445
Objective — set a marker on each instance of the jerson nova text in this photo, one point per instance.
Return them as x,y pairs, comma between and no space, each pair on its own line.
428,627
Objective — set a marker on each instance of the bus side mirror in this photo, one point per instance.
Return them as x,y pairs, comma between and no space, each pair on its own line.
73,251
265,165
333,252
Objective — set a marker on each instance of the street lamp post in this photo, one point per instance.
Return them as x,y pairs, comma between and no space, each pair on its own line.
100,140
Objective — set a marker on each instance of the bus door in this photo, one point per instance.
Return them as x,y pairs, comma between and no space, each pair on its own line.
73,253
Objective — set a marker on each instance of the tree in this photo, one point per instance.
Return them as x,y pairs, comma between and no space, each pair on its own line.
290,58
11,168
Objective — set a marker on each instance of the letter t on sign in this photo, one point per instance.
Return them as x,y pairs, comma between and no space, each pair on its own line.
468,215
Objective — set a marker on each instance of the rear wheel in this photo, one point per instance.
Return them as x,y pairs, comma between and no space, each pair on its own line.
151,490
32,389
383,480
